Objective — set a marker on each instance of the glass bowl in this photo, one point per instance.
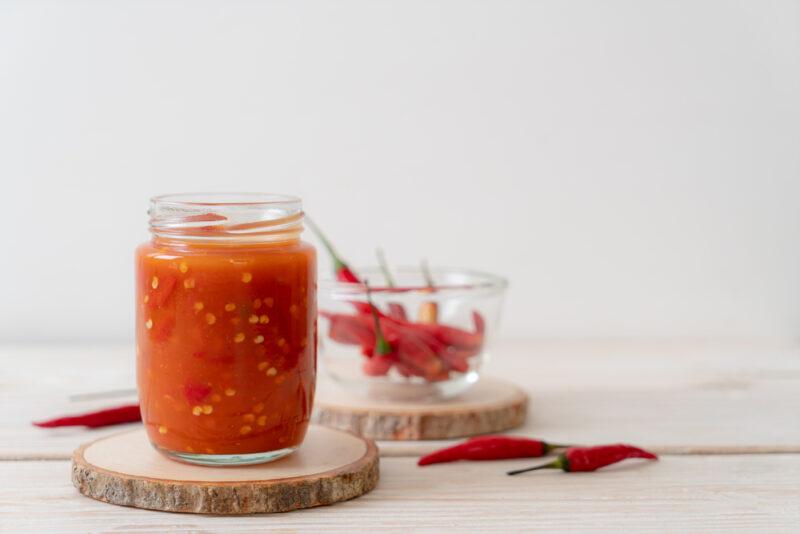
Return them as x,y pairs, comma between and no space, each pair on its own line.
438,335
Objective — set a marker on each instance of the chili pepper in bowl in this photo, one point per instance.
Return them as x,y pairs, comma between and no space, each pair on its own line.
396,310
429,351
428,310
343,272
584,459
381,354
490,448
422,348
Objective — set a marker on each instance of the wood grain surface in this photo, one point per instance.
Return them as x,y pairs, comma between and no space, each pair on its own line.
709,494
123,469
701,403
491,405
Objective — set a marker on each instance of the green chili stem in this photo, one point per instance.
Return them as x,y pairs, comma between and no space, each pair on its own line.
385,267
338,264
549,447
382,347
555,464
426,273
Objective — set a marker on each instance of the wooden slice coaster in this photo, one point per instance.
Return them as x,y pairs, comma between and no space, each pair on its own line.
489,406
330,466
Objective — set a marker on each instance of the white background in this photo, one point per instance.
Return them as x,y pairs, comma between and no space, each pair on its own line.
632,167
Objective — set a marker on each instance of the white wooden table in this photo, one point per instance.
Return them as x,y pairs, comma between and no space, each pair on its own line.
725,416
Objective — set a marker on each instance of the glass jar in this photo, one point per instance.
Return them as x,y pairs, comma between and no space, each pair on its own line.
226,327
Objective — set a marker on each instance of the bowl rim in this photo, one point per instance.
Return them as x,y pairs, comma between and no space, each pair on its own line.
485,283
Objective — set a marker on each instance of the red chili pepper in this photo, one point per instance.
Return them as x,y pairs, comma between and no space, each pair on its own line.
455,337
490,448
158,295
457,360
480,323
577,459
112,416
195,393
378,365
396,310
382,347
425,350
420,357
343,272
350,329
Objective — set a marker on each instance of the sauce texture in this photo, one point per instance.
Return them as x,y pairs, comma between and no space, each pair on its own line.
226,345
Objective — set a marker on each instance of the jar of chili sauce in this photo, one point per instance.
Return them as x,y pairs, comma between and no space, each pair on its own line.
226,327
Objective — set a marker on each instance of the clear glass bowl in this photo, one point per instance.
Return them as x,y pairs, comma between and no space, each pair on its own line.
439,336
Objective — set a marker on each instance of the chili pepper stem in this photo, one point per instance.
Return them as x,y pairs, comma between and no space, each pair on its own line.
550,447
382,347
429,310
338,263
558,463
384,267
518,471
426,273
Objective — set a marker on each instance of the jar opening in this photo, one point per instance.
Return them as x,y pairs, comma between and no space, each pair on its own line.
221,217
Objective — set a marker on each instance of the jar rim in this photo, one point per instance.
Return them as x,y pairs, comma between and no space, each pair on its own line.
224,199
234,218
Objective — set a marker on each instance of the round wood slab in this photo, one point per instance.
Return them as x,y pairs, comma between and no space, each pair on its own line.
124,469
491,405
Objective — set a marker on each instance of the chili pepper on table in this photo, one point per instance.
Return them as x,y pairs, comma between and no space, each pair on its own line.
577,459
490,448
112,416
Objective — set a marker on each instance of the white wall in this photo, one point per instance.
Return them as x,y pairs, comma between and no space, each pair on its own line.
632,167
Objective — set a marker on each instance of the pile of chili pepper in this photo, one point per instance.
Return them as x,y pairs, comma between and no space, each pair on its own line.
572,459
390,340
